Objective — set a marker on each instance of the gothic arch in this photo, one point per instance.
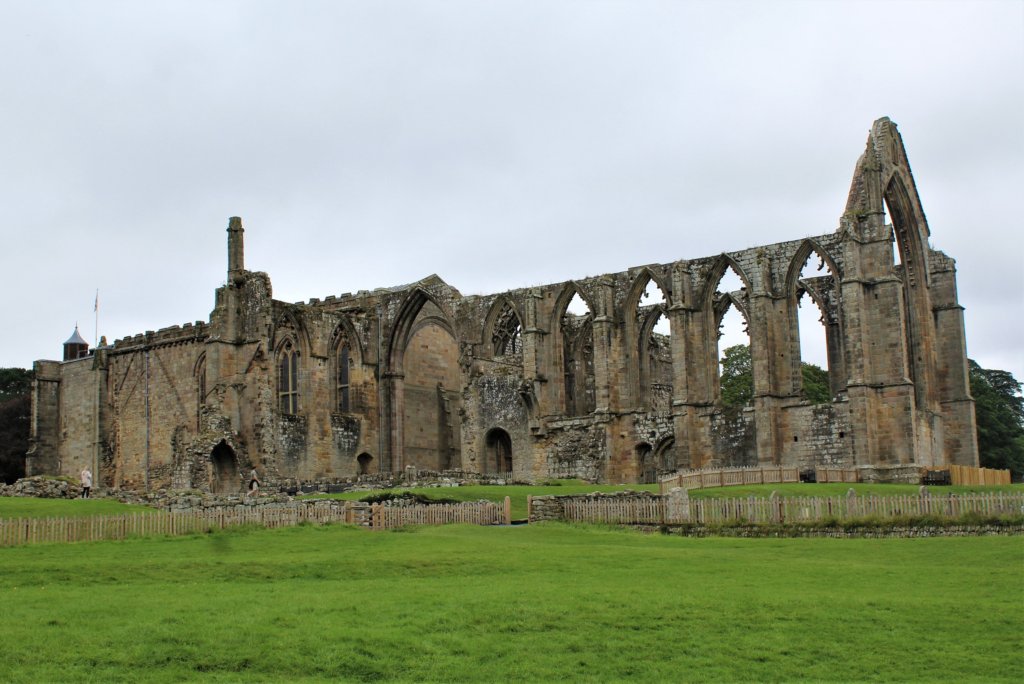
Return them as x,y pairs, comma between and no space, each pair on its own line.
344,356
911,234
562,303
574,355
910,228
722,304
287,324
405,320
346,331
715,308
803,252
714,277
652,371
495,333
638,332
636,290
831,317
287,363
199,375
420,393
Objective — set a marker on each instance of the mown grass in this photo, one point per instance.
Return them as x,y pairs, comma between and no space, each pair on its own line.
26,507
542,603
518,493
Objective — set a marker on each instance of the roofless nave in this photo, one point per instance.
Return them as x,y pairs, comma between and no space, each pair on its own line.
422,376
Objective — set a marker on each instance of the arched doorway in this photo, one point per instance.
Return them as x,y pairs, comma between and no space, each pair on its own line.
645,465
499,452
665,456
365,461
224,470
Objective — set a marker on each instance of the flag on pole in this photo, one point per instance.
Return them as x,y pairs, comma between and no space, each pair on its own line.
96,304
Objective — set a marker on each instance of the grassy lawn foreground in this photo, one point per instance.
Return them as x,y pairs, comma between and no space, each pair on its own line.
462,603
27,507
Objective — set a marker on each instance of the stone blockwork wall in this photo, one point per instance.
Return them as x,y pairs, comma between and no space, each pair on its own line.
421,375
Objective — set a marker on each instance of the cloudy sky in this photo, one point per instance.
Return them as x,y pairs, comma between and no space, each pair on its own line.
497,144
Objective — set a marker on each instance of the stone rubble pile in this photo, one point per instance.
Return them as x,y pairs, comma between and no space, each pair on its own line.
42,487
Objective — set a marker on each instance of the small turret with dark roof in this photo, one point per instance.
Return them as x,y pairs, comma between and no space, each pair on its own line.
75,347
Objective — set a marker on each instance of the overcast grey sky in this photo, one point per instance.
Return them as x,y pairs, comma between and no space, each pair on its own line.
497,144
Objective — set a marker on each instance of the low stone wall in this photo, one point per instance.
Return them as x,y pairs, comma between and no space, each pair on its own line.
897,474
794,531
552,507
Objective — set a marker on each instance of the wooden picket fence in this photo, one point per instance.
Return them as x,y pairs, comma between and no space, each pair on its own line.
17,531
475,513
650,510
966,475
836,475
727,477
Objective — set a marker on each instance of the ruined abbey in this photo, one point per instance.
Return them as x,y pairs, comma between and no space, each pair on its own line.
517,383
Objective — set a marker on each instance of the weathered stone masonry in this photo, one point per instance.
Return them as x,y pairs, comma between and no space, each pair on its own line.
420,375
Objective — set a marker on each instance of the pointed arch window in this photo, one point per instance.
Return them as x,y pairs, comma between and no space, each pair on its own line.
201,380
288,379
507,337
578,358
344,377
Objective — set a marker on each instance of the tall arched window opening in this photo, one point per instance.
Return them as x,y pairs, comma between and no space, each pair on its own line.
507,337
344,384
655,348
735,366
897,257
578,357
200,375
816,296
288,379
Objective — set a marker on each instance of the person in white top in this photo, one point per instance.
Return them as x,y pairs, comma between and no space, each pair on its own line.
86,482
254,484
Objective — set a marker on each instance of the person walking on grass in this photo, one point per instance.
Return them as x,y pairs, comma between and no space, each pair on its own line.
254,484
86,478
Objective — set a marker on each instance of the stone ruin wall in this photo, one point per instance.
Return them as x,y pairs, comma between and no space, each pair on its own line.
597,397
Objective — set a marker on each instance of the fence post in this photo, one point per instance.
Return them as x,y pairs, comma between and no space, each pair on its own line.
508,510
678,505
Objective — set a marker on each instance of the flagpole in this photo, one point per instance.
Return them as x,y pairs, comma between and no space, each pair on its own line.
96,311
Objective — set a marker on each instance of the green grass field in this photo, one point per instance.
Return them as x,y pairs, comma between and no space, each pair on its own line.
538,603
26,507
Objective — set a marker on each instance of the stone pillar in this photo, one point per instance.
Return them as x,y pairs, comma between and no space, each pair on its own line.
236,251
394,401
603,326
959,423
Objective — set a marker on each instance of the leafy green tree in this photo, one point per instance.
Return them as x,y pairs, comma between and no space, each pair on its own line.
15,410
816,388
999,409
737,378
14,382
